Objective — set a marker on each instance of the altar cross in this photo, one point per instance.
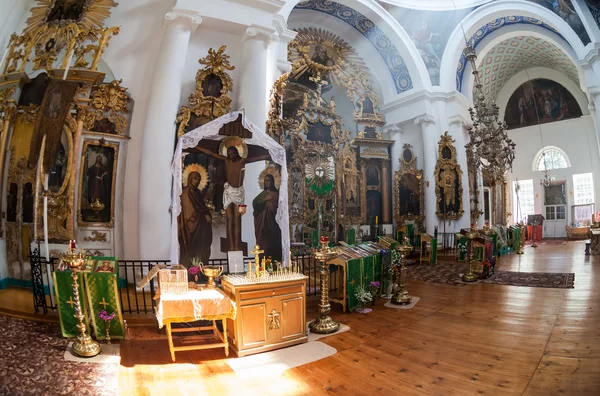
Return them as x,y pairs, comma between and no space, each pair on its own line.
256,252
103,303
71,302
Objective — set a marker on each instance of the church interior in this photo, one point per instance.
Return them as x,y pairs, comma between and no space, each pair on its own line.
294,197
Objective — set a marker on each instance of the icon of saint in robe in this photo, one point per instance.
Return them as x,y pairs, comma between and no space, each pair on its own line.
195,230
268,233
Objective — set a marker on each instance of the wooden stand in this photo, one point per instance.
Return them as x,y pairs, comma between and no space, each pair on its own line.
222,336
270,316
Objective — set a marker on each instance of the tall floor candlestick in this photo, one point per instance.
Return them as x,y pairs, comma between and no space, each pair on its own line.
324,324
83,346
470,276
401,296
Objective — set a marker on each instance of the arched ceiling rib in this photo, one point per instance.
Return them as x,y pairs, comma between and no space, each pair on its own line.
511,56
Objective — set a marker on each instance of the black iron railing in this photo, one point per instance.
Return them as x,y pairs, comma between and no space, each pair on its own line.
136,300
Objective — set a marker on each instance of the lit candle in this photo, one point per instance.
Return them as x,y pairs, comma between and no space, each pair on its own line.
376,219
72,245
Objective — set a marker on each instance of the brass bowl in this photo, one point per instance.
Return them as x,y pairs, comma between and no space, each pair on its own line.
210,272
97,206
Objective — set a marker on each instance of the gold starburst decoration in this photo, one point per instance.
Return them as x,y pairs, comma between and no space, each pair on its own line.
216,61
269,170
195,168
319,171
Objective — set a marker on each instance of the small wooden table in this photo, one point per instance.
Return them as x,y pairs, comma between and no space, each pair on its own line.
595,248
206,304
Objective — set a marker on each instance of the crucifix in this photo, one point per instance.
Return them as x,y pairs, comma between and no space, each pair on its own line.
256,252
320,84
71,302
103,303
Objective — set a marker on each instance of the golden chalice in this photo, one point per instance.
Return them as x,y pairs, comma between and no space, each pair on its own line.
97,207
211,271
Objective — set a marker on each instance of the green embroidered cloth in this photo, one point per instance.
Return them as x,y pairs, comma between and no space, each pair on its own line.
103,294
351,236
361,271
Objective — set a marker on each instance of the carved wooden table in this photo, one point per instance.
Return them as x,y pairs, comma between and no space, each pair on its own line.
206,304
271,315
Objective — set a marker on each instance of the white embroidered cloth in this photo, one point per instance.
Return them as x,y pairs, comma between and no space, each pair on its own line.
259,138
234,195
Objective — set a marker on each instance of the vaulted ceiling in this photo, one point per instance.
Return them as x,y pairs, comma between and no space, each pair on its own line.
514,55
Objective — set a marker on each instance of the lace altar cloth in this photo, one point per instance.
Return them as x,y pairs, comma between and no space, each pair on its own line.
259,138
209,303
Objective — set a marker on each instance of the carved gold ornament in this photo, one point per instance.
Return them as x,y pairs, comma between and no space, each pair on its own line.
269,170
96,237
408,166
110,101
48,34
319,171
274,122
448,175
195,168
6,98
210,99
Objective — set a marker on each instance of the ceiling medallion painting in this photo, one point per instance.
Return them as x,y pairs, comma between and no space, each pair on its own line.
448,181
210,99
63,29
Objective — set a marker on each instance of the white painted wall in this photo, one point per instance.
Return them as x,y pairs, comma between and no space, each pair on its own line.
576,137
13,14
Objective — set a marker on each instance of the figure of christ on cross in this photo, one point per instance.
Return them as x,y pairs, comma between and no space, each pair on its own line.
233,194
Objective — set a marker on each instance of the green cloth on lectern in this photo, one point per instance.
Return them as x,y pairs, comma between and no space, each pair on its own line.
495,246
103,294
63,284
351,236
462,249
361,271
434,250
315,238
410,231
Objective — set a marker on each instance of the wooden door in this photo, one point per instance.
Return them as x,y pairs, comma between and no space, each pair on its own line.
293,323
254,322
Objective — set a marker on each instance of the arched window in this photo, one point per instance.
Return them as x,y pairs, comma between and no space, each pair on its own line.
551,158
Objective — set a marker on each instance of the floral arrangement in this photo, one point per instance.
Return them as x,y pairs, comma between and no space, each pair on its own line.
195,268
106,318
363,295
374,286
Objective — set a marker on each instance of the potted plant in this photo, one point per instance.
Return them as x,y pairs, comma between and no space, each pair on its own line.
374,289
195,270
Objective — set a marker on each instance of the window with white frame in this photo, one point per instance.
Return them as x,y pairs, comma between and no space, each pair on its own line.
523,200
551,158
583,188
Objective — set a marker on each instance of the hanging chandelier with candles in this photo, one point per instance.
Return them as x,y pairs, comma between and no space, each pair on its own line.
493,150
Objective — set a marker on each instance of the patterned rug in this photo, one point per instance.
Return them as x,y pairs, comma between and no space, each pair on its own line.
533,279
450,274
32,363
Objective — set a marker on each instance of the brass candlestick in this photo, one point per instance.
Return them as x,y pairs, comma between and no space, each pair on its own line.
535,224
470,276
83,346
401,296
324,324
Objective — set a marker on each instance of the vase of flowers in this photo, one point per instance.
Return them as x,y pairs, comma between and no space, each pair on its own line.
363,295
107,318
374,289
195,270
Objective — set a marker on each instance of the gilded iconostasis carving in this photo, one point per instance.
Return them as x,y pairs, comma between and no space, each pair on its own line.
409,193
328,93
62,117
448,181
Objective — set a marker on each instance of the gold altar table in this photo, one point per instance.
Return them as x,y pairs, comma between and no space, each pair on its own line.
205,304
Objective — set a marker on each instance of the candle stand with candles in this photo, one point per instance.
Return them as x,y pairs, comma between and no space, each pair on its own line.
402,296
83,346
324,324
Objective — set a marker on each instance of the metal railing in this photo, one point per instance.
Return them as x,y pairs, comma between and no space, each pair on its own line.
135,300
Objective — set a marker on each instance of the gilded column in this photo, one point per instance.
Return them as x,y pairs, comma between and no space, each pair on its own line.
10,114
154,215
430,149
385,187
363,171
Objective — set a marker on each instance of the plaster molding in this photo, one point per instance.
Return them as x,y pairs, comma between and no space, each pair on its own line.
192,18
272,6
594,91
424,119
405,100
284,66
285,35
394,128
458,119
260,33
591,57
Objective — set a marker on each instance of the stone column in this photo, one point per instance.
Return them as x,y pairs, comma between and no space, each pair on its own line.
254,98
159,137
431,137
385,190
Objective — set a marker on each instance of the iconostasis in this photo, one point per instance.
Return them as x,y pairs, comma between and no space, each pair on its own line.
66,127
326,114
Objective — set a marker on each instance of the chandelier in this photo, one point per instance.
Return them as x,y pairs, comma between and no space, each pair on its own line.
493,150
546,181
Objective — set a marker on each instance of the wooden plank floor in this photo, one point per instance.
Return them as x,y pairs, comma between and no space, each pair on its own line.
472,340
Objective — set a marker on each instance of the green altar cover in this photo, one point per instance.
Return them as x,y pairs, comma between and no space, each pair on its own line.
362,270
351,236
103,294
63,283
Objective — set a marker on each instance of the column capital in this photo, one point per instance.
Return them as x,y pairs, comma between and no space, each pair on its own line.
177,15
460,120
285,35
284,66
260,33
393,128
425,119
